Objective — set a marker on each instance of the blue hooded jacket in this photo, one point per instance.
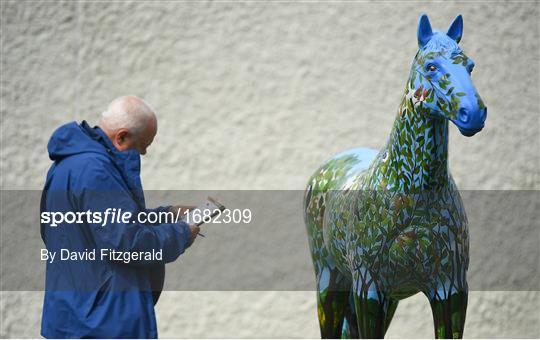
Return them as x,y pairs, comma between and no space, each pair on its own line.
101,298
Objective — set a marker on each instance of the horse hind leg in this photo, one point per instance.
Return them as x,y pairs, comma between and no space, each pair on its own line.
350,324
391,310
332,299
350,327
374,312
449,311
374,309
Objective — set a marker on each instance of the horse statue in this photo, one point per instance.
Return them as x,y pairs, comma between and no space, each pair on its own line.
386,225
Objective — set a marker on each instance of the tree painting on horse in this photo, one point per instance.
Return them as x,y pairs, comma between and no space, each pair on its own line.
385,225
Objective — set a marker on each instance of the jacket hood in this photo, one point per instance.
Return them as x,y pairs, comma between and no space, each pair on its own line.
72,138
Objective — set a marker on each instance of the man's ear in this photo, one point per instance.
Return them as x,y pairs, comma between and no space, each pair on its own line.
120,138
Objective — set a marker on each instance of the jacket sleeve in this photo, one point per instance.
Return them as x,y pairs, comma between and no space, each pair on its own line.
100,192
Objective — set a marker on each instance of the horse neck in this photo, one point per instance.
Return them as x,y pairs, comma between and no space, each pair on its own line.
418,148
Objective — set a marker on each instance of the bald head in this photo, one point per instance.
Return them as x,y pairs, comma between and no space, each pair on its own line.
130,123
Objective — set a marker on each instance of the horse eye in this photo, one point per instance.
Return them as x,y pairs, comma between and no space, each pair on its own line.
432,68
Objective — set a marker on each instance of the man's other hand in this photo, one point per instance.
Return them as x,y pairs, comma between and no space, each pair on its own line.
195,229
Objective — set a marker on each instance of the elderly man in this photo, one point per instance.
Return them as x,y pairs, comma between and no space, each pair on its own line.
96,170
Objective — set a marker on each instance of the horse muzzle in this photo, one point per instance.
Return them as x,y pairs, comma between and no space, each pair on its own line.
469,123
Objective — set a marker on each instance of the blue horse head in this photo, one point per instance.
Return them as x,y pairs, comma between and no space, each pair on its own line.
441,78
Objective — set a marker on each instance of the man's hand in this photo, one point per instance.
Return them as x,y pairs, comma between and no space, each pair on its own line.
195,229
181,209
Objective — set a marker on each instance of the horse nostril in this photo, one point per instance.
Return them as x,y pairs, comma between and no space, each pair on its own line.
483,115
463,115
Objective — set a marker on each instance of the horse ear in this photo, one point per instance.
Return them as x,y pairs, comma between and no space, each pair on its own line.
456,29
424,30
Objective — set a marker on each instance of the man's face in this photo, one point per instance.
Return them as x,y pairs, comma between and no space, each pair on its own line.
143,141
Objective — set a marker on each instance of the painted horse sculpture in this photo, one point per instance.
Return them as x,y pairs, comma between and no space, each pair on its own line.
384,225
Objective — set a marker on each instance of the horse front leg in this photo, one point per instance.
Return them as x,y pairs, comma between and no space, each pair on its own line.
449,310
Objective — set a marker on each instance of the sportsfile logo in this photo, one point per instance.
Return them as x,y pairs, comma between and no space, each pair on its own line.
120,216
109,216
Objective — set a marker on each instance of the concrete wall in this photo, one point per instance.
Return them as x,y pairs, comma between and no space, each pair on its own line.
256,95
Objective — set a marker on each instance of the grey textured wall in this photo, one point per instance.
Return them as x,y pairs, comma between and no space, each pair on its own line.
268,91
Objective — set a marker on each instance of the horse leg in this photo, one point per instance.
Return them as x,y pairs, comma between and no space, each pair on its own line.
332,296
374,310
350,325
449,313
392,306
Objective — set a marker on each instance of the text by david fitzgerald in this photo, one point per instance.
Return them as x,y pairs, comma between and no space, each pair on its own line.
101,255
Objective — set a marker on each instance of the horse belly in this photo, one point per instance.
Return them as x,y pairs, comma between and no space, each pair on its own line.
416,259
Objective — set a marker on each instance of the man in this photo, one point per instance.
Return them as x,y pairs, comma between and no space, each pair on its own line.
96,170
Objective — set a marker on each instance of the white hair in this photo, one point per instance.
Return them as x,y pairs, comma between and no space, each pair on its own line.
127,112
